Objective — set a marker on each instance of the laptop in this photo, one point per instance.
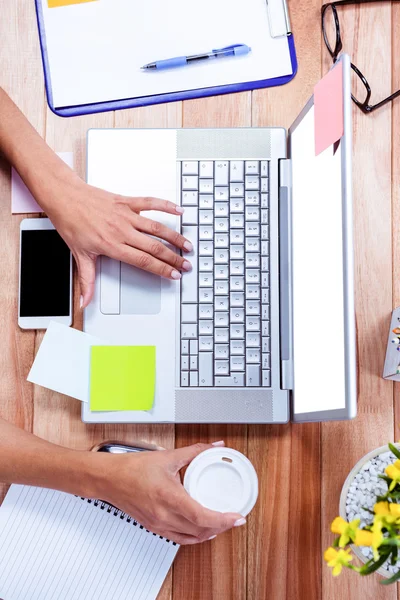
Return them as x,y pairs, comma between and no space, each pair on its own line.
262,330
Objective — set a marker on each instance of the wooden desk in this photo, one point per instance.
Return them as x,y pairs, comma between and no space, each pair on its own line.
278,555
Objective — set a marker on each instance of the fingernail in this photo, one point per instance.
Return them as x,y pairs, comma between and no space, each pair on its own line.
176,275
221,443
81,302
188,246
212,538
239,522
180,210
186,266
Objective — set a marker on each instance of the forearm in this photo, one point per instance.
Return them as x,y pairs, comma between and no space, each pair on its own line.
29,460
29,154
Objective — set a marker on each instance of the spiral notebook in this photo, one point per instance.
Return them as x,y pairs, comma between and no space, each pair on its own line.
55,546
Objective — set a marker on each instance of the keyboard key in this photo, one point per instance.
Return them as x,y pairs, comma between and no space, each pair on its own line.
185,379
221,351
237,267
252,308
253,375
206,280
221,209
206,248
253,356
206,327
237,315
237,284
236,190
205,343
264,263
221,240
221,303
194,363
221,256
252,245
265,295
189,284
221,319
221,172
206,186
205,295
237,170
184,347
253,229
265,280
237,221
252,260
221,272
265,328
252,167
221,225
237,236
237,332
265,216
237,299
264,248
235,380
266,378
237,363
190,182
190,168
206,371
194,378
252,199
206,232
221,335
221,193
252,292
194,347
185,363
206,311
190,216
189,313
266,344
237,205
237,252
188,331
221,367
206,169
221,287
206,201
206,263
237,347
253,340
253,324
190,199
264,168
264,201
206,217
265,312
252,276
266,361
265,232
264,184
252,182
252,213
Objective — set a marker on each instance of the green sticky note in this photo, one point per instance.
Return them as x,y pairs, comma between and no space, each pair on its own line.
122,377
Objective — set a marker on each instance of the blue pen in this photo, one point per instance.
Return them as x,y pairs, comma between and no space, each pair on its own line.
181,61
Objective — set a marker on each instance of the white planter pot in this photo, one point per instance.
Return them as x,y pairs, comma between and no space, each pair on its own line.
343,497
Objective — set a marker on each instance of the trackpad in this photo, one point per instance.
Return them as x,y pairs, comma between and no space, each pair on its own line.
140,291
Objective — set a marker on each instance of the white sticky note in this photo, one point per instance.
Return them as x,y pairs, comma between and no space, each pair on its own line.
22,200
62,363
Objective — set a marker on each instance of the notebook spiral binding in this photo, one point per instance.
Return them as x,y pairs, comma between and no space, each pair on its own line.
116,512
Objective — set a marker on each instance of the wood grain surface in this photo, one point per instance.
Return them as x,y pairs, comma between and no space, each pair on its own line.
278,555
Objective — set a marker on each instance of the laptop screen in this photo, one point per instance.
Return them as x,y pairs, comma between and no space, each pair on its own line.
319,321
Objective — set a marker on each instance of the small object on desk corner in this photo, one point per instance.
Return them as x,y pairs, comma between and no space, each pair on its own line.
182,61
391,368
396,330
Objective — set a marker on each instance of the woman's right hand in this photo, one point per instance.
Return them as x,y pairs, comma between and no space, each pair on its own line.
147,486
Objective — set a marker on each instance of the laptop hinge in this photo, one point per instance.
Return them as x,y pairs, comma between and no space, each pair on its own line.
285,273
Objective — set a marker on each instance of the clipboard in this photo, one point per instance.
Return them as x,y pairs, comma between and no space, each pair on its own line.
279,25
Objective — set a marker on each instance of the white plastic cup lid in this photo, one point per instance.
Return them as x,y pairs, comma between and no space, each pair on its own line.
222,479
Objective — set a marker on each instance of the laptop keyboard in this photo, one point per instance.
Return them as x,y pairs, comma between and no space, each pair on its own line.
225,310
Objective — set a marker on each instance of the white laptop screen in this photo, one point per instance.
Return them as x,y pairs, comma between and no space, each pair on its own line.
318,274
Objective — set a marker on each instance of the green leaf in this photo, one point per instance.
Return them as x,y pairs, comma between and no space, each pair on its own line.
372,566
385,478
335,543
393,579
394,450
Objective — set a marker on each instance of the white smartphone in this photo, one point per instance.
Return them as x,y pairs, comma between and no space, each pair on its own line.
45,276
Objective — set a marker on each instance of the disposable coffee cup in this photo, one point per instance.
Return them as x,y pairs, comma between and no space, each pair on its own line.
224,480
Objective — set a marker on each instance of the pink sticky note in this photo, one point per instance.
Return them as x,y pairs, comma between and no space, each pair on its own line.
328,109
22,200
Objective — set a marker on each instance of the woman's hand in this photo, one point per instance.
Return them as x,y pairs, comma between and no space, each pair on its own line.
94,222
147,486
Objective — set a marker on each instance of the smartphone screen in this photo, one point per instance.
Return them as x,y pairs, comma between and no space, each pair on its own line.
45,274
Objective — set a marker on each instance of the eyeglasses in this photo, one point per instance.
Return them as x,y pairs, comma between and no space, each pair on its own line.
333,42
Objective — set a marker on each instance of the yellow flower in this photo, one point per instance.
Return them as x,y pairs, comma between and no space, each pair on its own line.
377,537
394,474
397,464
347,531
381,508
337,559
394,509
364,538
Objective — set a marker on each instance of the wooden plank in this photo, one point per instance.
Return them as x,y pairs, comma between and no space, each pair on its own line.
286,545
367,33
21,78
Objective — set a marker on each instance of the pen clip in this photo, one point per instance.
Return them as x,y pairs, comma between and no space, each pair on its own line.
232,47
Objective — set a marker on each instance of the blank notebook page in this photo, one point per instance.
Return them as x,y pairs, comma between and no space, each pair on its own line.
54,546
